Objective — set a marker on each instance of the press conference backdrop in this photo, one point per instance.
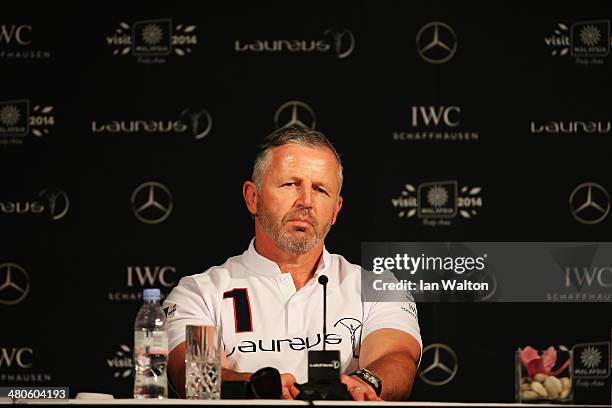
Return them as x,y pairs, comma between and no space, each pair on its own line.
126,131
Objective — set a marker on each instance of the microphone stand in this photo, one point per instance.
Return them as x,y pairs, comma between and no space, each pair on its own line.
323,367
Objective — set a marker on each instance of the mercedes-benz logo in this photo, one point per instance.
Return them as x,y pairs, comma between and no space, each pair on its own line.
14,284
436,42
589,203
344,41
200,121
152,202
295,113
439,364
58,202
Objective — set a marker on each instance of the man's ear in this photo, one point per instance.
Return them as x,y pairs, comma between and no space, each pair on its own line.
337,209
249,192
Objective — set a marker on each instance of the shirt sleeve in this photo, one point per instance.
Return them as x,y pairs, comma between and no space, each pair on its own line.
402,316
185,306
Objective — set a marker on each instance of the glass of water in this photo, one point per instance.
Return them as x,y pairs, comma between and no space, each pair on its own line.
203,362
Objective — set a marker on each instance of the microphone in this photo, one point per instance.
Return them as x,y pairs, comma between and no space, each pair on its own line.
323,282
323,367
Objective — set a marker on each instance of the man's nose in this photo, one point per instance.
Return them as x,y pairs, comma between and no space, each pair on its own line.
305,196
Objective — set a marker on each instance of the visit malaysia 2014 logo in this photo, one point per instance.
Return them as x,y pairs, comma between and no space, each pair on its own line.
153,41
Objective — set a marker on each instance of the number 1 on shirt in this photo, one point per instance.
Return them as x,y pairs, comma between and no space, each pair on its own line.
242,309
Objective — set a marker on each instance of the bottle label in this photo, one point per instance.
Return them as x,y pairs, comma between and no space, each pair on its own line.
150,342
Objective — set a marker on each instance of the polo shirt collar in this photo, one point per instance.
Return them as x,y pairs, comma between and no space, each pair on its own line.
260,264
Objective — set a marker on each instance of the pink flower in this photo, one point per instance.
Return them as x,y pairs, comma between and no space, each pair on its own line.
535,364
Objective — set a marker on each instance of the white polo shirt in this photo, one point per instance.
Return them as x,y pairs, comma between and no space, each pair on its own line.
267,323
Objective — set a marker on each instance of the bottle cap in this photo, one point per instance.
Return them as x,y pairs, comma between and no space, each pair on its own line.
151,294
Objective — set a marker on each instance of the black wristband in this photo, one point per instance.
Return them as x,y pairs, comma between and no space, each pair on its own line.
369,377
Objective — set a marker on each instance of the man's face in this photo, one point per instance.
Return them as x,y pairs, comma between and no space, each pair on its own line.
299,199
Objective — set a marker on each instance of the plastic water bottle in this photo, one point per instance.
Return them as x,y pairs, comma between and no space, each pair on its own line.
150,348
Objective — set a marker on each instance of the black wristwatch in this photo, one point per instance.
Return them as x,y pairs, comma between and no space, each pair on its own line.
369,377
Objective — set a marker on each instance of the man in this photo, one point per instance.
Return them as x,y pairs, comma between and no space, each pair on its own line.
268,299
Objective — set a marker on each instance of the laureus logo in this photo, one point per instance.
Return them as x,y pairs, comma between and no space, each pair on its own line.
572,127
353,326
19,118
153,41
58,202
199,121
343,41
193,121
51,201
338,41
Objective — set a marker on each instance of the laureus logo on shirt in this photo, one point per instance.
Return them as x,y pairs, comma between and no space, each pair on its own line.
353,326
280,345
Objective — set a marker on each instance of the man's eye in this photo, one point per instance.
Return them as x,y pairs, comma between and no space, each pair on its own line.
293,183
321,190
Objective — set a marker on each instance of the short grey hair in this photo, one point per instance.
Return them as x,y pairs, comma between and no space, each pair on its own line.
287,135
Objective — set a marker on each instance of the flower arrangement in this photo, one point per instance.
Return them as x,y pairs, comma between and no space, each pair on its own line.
544,374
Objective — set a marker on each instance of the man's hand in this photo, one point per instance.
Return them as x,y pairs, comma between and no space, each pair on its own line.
359,389
288,383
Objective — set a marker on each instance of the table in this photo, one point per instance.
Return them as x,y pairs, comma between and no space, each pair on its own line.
264,403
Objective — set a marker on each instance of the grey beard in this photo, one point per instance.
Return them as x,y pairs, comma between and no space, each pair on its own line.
285,239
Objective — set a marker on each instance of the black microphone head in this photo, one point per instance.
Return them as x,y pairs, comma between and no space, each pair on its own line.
323,280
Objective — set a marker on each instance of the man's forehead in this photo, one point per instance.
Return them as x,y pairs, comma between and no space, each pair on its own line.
293,152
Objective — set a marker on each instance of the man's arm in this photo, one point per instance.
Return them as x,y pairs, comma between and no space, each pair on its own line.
392,355
176,370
